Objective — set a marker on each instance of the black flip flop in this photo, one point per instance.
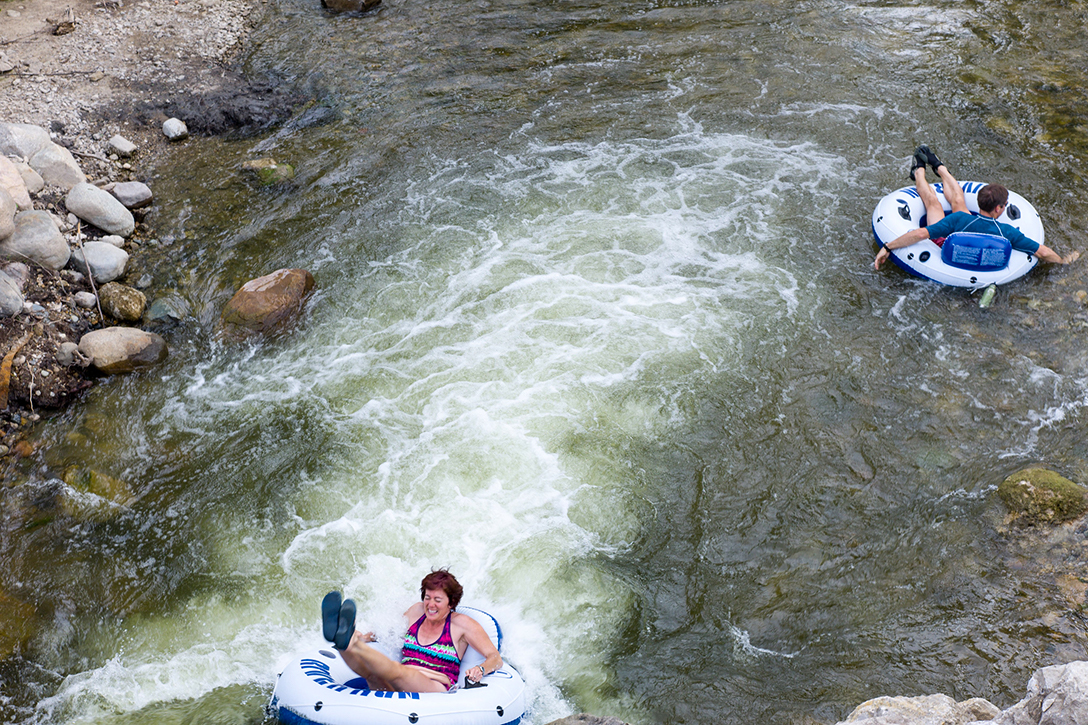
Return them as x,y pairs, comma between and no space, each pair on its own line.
346,628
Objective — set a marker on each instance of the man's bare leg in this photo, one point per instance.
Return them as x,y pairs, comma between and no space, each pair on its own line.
953,192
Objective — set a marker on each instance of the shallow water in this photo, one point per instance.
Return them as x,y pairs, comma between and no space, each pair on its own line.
596,327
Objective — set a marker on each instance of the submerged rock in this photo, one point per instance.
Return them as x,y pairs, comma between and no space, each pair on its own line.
268,172
16,620
350,5
269,302
1038,495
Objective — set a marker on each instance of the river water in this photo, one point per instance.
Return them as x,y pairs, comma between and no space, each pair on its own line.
596,327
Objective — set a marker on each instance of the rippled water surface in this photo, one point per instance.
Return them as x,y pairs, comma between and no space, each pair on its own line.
595,326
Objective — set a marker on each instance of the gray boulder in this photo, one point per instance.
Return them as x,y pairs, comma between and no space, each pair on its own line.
11,296
133,194
57,166
100,208
12,182
122,349
175,129
36,239
106,262
121,146
22,139
7,214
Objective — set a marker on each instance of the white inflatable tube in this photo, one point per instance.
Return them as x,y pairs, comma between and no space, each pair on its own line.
320,689
902,211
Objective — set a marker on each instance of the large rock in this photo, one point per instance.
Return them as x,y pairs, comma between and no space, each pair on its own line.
1038,495
57,166
12,182
924,710
22,139
267,303
36,239
122,302
106,261
1057,695
7,214
122,349
100,208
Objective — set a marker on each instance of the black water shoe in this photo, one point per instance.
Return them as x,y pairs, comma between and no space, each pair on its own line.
931,158
330,615
917,162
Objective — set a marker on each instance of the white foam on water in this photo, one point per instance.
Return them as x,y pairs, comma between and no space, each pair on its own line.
539,295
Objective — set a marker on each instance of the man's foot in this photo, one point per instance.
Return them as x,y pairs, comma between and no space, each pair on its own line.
346,627
918,162
330,615
931,158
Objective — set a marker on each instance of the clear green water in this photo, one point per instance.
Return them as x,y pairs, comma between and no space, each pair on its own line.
596,327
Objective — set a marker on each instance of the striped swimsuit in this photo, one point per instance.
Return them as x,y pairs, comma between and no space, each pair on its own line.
440,656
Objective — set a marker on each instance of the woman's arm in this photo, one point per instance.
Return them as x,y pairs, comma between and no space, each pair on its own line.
475,636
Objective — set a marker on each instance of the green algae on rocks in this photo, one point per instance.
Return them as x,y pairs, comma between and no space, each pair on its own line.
1038,495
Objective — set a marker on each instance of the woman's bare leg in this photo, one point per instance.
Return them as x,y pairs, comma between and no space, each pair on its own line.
382,673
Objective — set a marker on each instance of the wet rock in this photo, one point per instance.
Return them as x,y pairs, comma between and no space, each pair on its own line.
121,146
100,208
11,297
12,182
268,172
171,308
106,262
57,166
350,5
269,302
132,194
122,302
7,214
36,239
16,625
22,139
116,350
175,129
1038,495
